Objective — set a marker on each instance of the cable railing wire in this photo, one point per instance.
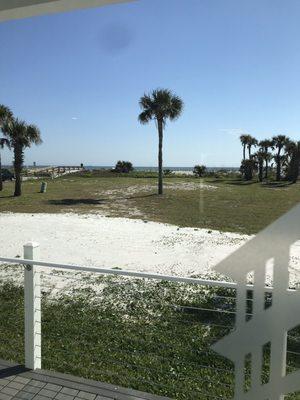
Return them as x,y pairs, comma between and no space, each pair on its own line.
216,313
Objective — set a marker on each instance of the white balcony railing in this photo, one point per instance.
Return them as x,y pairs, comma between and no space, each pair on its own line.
183,318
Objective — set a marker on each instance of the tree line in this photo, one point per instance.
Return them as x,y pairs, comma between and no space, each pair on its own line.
17,136
279,151
159,106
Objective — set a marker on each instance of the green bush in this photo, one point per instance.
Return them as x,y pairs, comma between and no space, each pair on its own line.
7,175
199,170
123,167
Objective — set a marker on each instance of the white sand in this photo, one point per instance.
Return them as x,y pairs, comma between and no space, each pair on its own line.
183,172
94,240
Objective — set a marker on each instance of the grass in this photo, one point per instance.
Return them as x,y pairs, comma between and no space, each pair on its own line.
146,335
233,205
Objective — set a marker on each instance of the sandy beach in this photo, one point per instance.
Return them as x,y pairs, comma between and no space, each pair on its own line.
98,241
95,240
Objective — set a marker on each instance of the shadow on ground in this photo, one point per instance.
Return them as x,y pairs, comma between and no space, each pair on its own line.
140,197
275,185
74,202
240,182
12,371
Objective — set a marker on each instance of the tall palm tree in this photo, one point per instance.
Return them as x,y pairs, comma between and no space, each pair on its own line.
5,115
279,142
244,140
265,145
21,136
160,106
251,142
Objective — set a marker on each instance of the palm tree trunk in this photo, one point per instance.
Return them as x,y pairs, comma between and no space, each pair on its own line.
160,156
296,169
18,166
18,184
260,172
267,169
249,149
278,167
293,169
244,152
1,182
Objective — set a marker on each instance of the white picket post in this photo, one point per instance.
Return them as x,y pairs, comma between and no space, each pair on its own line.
32,291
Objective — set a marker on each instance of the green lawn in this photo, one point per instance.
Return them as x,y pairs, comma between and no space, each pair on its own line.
146,335
231,205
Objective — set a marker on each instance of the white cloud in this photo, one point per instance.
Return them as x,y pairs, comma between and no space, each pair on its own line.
236,132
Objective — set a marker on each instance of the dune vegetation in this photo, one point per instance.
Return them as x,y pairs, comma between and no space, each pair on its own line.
226,203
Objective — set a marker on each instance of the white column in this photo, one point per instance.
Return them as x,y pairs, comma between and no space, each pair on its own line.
32,292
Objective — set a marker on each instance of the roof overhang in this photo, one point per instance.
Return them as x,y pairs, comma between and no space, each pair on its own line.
16,9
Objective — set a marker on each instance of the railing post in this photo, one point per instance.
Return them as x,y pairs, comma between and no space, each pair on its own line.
32,292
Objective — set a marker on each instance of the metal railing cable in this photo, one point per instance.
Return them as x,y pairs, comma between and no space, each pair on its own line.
150,332
146,356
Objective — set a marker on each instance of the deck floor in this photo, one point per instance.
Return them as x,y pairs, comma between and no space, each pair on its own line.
17,382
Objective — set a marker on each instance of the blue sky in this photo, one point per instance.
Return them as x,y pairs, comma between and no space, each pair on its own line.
79,76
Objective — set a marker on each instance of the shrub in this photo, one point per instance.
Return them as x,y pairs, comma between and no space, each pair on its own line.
123,167
199,170
168,172
247,169
7,175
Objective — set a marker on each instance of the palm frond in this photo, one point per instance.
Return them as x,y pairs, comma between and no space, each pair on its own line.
245,139
5,113
176,108
280,140
33,134
145,117
4,143
161,104
21,134
146,102
266,144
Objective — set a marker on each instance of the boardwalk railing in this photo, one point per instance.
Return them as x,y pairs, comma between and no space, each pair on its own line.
54,171
152,332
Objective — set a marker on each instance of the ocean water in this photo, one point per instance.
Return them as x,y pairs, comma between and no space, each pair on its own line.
138,168
155,169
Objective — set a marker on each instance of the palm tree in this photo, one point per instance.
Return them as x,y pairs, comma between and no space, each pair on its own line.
279,142
259,156
251,142
292,161
3,142
244,140
5,115
160,106
248,167
265,145
268,158
21,136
